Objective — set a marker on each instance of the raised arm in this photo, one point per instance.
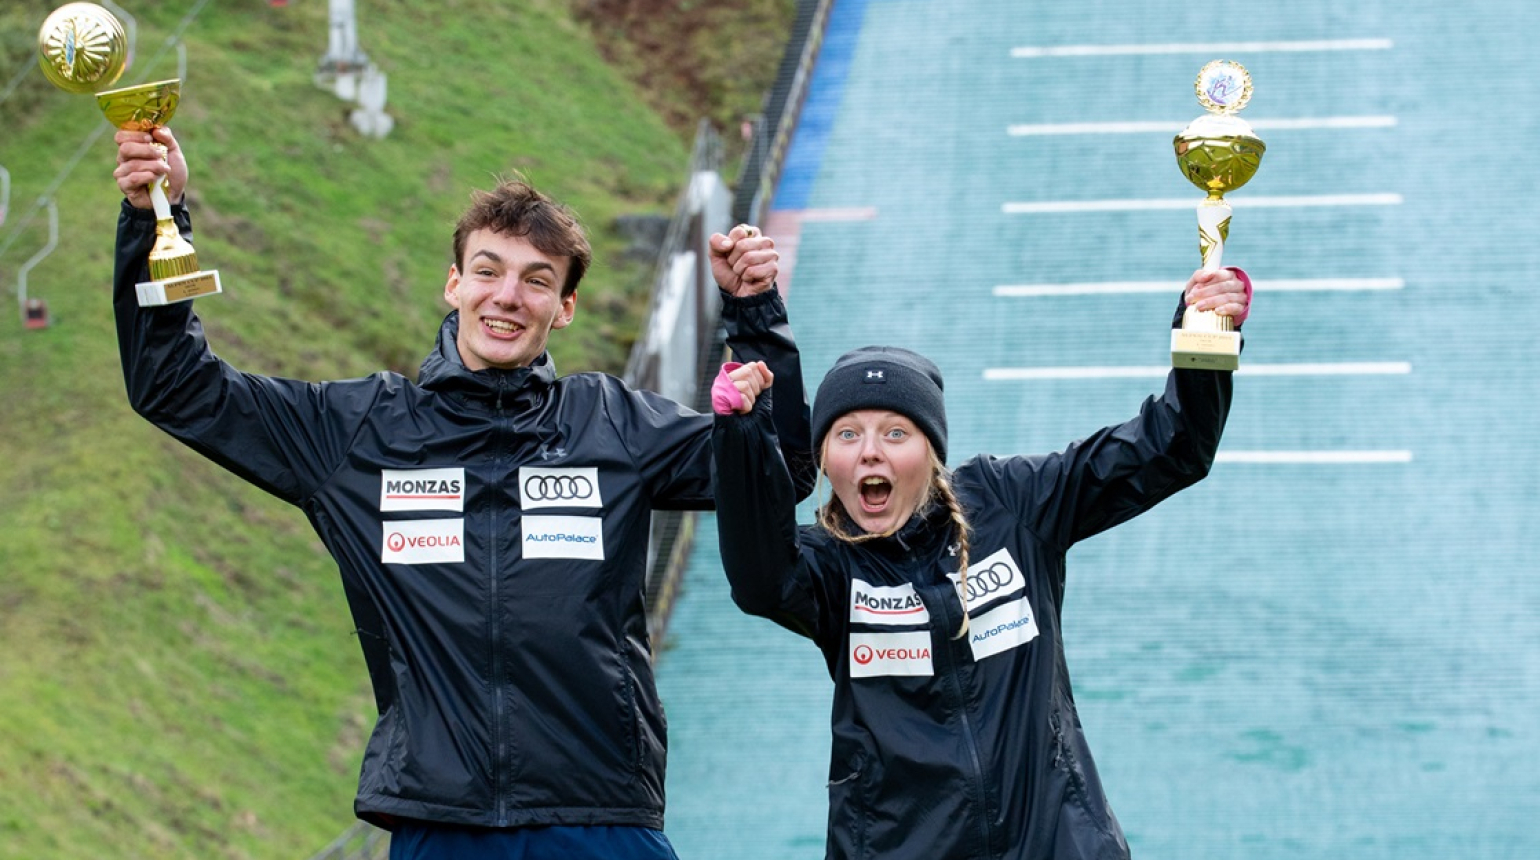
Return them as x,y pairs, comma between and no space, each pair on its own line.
745,264
282,435
756,506
1121,471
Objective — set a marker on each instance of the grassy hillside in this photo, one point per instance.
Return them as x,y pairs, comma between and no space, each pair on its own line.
178,675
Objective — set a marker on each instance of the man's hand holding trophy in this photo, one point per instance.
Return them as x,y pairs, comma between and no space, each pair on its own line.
82,49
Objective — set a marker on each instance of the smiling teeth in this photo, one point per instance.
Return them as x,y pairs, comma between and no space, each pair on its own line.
500,326
873,482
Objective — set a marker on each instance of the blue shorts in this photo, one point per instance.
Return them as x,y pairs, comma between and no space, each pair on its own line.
418,840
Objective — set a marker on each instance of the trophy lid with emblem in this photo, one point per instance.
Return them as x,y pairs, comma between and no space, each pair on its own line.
1218,151
82,48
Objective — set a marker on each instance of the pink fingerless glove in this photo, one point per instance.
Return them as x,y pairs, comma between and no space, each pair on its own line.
1245,279
726,399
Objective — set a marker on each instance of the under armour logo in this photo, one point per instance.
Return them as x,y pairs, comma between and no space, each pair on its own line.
549,453
875,376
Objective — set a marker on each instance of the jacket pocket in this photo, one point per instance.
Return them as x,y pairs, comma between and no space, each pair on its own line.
848,808
1082,786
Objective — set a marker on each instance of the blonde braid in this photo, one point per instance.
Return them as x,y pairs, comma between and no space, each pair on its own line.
941,487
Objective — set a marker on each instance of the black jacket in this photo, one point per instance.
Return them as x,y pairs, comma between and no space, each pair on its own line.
948,748
491,530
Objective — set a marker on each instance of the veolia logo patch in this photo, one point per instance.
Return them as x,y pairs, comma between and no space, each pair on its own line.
423,542
877,654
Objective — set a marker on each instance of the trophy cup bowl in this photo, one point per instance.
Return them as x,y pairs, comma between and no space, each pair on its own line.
82,49
1217,152
141,108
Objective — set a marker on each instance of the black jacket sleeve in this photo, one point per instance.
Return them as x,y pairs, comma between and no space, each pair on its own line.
758,330
1122,471
282,435
757,523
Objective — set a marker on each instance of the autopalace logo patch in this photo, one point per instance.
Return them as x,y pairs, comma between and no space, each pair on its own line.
563,537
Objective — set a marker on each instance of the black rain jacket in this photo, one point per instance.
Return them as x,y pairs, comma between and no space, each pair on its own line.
945,748
491,531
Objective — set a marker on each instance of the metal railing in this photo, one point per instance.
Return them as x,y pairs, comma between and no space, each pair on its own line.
362,841
22,302
773,130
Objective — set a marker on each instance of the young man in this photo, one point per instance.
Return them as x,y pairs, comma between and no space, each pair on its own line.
490,522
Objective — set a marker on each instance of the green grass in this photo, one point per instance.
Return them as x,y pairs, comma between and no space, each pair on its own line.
178,673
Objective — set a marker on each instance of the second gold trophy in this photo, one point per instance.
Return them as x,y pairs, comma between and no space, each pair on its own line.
81,48
1217,152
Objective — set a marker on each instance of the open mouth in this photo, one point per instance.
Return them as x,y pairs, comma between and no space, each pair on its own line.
875,493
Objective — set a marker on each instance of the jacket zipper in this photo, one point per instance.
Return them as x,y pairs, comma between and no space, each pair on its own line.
954,672
498,732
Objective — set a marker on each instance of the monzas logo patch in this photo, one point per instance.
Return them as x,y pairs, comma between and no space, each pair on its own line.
422,490
886,605
559,488
563,537
875,655
423,542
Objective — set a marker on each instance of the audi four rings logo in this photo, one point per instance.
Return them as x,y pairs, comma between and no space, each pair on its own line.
989,580
549,488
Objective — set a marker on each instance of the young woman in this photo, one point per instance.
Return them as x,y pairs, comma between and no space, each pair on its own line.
935,595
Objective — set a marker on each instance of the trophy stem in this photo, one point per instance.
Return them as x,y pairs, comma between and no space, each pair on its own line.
172,255
1213,230
1208,340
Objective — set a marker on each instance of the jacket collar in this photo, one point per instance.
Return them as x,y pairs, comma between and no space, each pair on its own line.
924,532
443,370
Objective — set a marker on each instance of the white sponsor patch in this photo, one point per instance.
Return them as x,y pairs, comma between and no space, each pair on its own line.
559,488
563,537
422,490
994,577
890,605
1002,628
423,542
876,654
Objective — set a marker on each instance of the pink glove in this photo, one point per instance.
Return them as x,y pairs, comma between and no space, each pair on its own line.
726,399
1245,279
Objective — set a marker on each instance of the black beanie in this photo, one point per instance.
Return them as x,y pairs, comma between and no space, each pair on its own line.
882,377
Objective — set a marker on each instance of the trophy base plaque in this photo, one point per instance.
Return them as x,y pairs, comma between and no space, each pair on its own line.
1206,350
178,289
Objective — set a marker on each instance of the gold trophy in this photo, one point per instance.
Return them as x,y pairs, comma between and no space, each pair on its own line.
1218,152
81,48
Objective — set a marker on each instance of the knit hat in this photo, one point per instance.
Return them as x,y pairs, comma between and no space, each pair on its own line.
883,377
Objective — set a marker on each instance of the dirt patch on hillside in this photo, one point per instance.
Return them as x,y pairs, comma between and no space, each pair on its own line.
695,59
